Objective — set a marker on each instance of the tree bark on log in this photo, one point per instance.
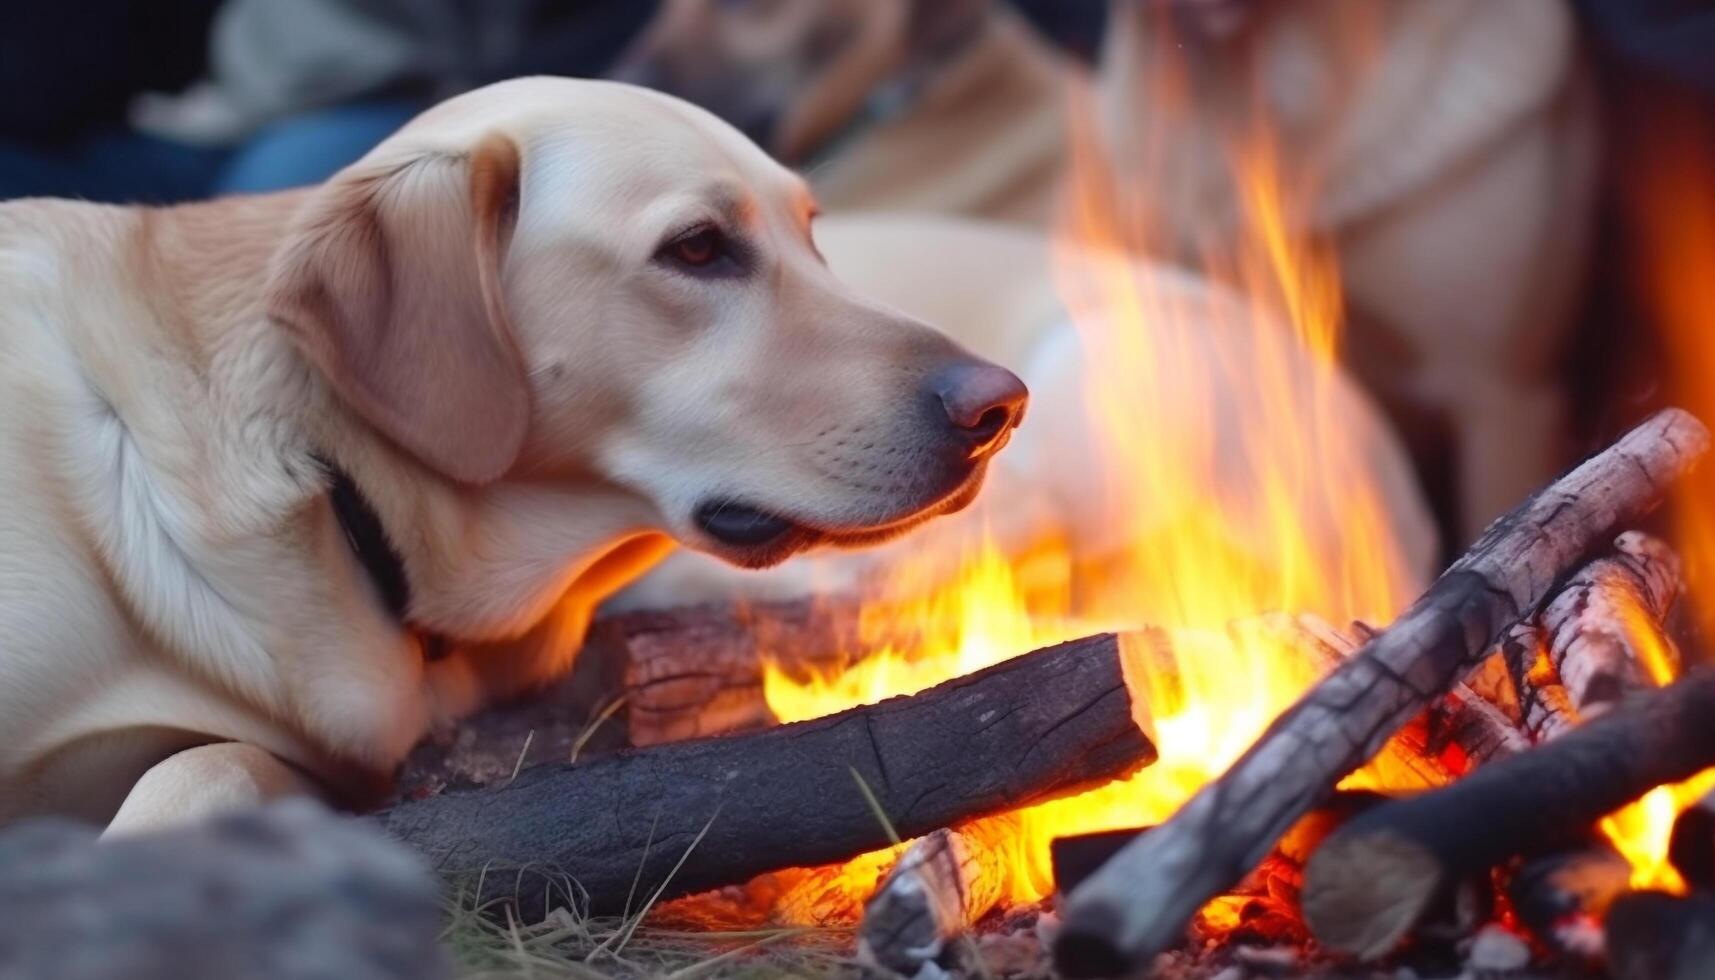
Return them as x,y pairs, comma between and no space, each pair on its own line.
940,886
1140,902
1656,936
684,817
1603,626
1366,886
698,671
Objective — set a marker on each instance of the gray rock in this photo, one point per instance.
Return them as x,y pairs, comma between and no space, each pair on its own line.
290,892
1497,951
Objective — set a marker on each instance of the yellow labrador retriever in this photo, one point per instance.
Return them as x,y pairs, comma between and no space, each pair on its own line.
254,452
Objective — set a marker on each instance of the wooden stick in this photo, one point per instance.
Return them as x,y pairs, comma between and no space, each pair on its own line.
1655,936
941,885
1603,626
1139,903
1035,727
1366,886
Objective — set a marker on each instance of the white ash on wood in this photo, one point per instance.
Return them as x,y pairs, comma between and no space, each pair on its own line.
940,886
1139,903
1371,880
1603,626
688,816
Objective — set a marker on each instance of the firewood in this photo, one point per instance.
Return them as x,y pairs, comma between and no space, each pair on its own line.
1139,903
941,885
1656,936
1365,887
1563,896
684,817
1692,847
1593,624
698,670
1480,729
1544,704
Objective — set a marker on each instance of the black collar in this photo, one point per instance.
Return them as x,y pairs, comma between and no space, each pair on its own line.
368,540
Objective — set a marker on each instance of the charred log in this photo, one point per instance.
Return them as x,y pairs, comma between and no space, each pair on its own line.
1141,900
1367,885
1692,848
1655,936
1603,627
1563,896
688,816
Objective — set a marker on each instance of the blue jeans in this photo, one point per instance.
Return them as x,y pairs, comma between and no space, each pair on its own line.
123,167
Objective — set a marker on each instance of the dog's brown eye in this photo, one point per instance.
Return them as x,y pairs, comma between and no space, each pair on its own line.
698,248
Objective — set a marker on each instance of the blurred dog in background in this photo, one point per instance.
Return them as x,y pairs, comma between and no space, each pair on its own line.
954,106
1450,147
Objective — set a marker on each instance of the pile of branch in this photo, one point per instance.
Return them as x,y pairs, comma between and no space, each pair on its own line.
611,833
1139,902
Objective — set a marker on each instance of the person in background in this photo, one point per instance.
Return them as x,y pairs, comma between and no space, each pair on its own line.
294,91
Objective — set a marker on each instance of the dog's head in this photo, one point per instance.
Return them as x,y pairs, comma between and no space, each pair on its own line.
789,73
557,283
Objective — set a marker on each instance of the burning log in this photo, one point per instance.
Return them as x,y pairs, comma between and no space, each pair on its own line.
1366,886
1481,729
941,885
1655,936
698,671
1602,626
1692,848
1140,901
1545,707
688,816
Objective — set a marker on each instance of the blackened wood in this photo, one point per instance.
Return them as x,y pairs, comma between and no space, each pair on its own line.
1692,849
1655,936
1368,883
1077,857
1037,726
1139,903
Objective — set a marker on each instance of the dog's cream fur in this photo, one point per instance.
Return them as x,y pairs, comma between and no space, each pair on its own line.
479,322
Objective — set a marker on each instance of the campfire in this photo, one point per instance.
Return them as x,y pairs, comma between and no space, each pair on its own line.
1277,742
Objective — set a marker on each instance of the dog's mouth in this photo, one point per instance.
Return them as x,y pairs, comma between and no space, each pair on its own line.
756,537
741,526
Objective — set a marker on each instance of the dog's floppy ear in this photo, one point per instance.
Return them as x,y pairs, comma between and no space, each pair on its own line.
390,284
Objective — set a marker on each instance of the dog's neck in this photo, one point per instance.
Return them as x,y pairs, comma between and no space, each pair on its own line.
481,563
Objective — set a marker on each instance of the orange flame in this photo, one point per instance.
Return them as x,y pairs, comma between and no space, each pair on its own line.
1670,214
1236,543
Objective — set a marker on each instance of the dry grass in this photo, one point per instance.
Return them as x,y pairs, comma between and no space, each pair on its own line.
566,946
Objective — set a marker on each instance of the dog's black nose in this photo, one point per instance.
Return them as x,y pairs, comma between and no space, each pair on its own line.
984,403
